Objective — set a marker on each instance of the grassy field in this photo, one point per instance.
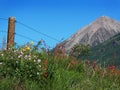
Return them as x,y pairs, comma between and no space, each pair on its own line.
27,68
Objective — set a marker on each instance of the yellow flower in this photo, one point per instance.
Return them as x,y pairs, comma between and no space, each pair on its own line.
27,48
32,42
23,50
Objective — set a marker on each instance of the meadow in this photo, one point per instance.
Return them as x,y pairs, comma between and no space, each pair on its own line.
38,68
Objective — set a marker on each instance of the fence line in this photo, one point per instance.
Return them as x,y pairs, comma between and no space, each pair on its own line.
3,19
3,31
25,37
33,29
20,35
29,28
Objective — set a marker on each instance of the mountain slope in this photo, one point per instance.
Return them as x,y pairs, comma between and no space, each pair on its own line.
95,33
108,52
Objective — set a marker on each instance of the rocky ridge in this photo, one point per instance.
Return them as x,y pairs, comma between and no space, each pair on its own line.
95,33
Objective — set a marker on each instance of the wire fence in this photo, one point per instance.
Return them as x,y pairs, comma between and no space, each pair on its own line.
3,33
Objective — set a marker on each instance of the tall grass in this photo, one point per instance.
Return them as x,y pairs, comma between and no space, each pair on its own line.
26,68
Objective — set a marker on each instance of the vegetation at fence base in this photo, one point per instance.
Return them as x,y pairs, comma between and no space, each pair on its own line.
26,68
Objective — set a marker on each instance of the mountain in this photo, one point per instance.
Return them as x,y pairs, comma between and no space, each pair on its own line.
108,51
95,33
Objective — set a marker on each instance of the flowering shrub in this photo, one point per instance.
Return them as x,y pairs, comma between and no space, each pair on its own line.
21,64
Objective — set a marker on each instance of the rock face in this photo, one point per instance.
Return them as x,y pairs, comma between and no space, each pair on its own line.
95,33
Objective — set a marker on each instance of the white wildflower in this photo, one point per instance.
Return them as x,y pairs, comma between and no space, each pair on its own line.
26,57
0,63
2,54
30,75
34,60
29,58
37,73
21,52
5,49
16,61
40,66
15,51
39,60
20,56
35,56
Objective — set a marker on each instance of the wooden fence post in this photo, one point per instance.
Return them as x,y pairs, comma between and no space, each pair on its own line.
11,31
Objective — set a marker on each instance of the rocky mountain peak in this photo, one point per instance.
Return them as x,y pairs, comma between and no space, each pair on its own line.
95,33
105,20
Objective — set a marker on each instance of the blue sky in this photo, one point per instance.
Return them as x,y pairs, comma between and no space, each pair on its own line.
56,18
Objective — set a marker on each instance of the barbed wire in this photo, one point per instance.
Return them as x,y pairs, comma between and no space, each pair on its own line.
20,35
3,19
26,37
3,31
33,29
30,28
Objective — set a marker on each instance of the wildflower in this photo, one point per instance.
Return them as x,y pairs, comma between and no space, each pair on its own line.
0,63
27,48
112,67
29,58
30,75
38,73
4,49
44,68
23,50
2,54
45,74
20,56
39,60
34,56
32,42
26,57
9,48
16,61
45,62
45,65
15,51
40,66
34,60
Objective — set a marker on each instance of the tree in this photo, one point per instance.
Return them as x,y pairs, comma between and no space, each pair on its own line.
79,51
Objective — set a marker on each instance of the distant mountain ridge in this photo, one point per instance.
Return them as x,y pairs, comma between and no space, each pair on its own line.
95,33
